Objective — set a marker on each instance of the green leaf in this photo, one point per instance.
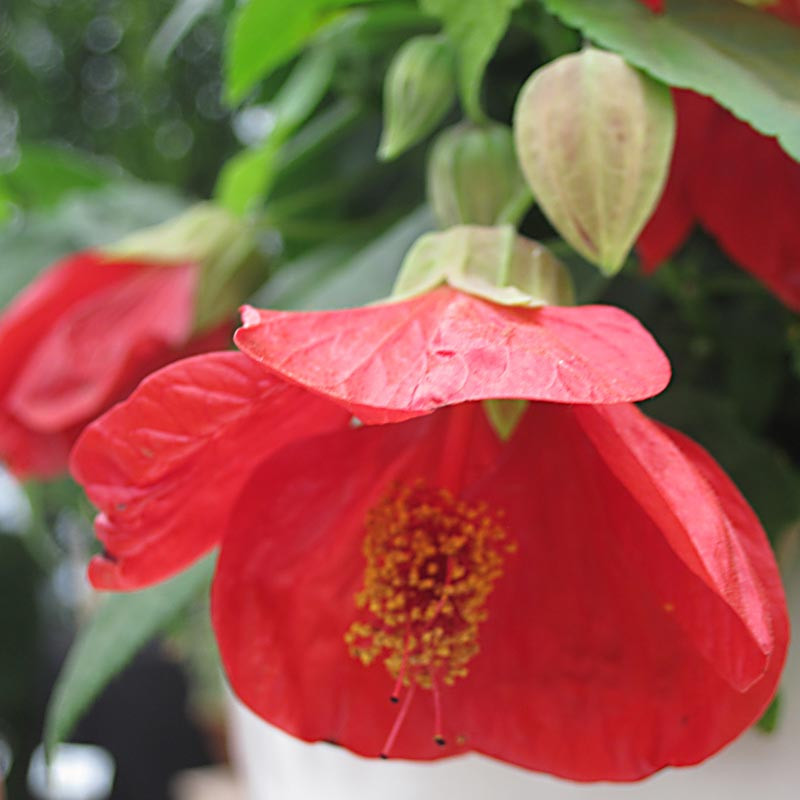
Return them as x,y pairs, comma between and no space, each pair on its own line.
264,34
747,60
247,176
475,27
46,173
6,202
120,627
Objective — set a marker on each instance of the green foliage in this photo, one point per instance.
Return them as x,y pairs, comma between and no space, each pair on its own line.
341,275
247,177
475,28
745,59
75,74
45,173
119,628
174,28
264,34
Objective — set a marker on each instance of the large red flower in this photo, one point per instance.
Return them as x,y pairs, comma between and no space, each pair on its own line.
592,598
78,339
737,184
202,423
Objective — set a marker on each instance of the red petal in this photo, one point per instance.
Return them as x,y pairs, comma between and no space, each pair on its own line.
741,186
393,361
747,195
88,351
788,10
641,624
53,293
654,5
290,566
603,655
674,216
165,466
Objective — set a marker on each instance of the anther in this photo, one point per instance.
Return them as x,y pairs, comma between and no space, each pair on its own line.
437,714
431,562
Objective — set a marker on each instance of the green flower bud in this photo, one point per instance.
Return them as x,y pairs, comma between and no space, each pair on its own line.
594,138
493,263
221,244
474,177
419,89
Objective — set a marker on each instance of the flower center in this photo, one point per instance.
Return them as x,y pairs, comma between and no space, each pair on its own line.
432,561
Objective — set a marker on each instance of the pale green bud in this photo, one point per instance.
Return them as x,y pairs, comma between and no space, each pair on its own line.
221,244
494,263
474,177
594,138
419,90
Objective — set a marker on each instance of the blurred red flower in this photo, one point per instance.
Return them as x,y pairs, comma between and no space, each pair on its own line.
737,184
79,339
785,9
596,574
740,186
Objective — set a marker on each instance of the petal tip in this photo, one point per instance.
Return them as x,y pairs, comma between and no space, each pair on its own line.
250,315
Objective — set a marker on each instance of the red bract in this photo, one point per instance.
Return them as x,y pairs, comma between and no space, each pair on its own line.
737,184
597,574
78,339
394,361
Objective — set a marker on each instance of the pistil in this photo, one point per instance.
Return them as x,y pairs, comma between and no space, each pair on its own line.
432,561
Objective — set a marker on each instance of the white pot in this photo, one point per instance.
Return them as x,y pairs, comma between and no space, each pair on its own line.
277,767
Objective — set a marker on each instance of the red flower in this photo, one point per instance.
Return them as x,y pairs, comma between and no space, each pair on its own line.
786,9
596,575
738,184
78,339
212,419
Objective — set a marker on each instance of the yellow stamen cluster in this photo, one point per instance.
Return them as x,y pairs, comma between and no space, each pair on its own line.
432,560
